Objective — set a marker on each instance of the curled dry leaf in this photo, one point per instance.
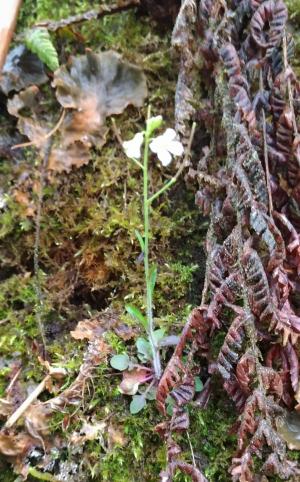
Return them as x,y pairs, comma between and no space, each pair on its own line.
36,419
94,86
13,445
32,127
105,321
21,69
91,88
132,380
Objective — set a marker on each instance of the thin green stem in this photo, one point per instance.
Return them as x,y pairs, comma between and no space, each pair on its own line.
149,300
138,163
162,190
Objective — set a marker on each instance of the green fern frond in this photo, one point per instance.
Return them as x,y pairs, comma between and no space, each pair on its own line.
39,41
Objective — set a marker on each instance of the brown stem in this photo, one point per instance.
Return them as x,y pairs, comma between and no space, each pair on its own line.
100,12
8,19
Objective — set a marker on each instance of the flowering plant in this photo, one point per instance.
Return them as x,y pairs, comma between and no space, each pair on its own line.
164,146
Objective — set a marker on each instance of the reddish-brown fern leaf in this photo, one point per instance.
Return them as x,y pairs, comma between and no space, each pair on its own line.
268,22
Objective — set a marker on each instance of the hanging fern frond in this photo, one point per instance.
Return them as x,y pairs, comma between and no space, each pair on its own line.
39,41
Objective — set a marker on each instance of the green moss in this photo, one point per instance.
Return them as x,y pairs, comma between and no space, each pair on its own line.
90,259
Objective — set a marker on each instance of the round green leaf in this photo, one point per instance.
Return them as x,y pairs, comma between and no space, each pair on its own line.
198,384
137,404
120,362
144,349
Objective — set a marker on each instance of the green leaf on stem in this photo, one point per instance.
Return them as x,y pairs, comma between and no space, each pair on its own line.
137,404
140,239
120,362
137,315
153,276
144,350
159,334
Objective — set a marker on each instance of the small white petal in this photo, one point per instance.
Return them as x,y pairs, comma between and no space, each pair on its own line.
176,148
132,148
169,135
165,157
156,144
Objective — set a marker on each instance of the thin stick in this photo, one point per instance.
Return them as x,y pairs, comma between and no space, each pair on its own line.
100,12
13,381
9,13
116,132
191,448
26,404
38,289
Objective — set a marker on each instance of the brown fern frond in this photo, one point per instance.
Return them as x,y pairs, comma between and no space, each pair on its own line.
249,178
268,22
257,283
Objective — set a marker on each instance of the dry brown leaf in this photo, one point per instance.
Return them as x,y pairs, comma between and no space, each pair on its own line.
23,199
107,320
13,445
90,88
36,419
64,157
89,431
32,127
125,332
95,86
21,69
87,330
132,380
6,408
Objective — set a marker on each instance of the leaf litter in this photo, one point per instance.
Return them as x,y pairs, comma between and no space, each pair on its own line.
17,443
90,88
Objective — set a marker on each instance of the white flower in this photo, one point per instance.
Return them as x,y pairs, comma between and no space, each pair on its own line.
165,146
132,148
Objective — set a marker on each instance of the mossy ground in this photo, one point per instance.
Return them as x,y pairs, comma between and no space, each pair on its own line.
89,261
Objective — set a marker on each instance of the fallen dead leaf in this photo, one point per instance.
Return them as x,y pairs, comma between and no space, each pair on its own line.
87,330
6,408
23,199
64,157
33,127
94,86
132,380
89,431
13,445
22,68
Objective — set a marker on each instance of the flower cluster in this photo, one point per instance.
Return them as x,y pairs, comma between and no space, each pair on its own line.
164,146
